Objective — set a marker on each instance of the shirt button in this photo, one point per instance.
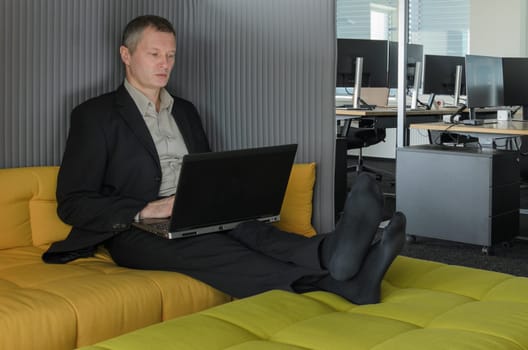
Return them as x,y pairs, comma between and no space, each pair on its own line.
157,179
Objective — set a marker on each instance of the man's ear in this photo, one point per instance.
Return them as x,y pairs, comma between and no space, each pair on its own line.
125,54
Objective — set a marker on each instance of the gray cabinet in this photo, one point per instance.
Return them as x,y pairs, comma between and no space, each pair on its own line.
459,194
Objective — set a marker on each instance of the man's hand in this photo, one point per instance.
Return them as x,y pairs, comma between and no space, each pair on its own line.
161,208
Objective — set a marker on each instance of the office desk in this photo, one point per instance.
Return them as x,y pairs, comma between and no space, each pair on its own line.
387,117
503,128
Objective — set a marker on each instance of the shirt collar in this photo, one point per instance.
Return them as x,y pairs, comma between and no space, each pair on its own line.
144,104
166,100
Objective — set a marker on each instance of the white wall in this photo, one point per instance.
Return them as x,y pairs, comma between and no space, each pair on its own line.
498,28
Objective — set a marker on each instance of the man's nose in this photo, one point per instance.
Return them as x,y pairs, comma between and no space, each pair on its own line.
164,61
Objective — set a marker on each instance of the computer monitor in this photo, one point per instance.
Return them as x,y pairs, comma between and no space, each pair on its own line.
515,78
375,56
414,54
439,74
484,81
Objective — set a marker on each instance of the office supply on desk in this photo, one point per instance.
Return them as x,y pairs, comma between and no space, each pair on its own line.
414,55
484,81
374,70
361,63
371,98
472,122
458,113
414,69
444,75
375,96
515,76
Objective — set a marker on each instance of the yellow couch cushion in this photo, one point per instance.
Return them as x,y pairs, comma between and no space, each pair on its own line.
28,215
296,212
59,307
424,305
17,188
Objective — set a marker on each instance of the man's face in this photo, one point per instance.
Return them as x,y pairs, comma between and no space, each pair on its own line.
149,66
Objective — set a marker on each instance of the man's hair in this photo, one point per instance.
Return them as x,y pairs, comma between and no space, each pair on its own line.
135,28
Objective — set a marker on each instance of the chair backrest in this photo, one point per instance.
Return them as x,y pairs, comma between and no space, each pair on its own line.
366,134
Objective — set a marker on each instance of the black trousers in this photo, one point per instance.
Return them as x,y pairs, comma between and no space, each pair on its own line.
250,259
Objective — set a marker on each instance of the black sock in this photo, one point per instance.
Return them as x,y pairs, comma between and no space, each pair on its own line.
343,251
365,287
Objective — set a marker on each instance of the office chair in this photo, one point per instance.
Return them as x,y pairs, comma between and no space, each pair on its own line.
366,134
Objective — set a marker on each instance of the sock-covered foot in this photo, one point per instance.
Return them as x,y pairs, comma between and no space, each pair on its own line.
365,287
346,248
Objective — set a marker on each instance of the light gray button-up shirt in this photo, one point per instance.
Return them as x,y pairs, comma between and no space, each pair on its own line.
166,135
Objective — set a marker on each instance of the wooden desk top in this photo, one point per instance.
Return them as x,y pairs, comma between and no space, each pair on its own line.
512,127
389,112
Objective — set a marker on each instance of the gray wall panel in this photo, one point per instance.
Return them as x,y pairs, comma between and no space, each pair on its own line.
261,72
264,74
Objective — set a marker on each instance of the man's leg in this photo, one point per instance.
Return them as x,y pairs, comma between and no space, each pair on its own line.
216,259
283,246
343,252
364,287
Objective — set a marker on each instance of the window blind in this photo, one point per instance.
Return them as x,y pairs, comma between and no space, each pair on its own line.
353,17
441,26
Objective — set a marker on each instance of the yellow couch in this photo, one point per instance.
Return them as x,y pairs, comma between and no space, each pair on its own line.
57,307
425,306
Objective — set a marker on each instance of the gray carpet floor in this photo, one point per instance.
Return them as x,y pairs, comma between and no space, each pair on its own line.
512,259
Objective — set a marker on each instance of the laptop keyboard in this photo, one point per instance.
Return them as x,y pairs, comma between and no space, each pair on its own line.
160,226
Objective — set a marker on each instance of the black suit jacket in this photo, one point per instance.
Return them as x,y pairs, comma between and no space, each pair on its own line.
111,169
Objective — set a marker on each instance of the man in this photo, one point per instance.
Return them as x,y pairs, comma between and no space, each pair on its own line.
122,162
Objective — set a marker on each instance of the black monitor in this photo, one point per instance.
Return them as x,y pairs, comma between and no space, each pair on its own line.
515,75
374,53
484,81
414,54
439,74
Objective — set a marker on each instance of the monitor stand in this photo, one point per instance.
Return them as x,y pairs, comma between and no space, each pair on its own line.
356,99
458,84
416,85
472,118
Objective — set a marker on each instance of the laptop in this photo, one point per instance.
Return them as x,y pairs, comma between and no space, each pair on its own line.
375,96
218,190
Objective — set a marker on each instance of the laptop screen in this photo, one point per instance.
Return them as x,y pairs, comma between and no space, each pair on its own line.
223,187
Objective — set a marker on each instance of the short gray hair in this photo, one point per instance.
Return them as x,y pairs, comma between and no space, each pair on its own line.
135,28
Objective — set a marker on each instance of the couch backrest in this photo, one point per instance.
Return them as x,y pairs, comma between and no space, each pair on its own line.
28,209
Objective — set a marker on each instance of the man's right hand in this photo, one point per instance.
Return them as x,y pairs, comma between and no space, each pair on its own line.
161,208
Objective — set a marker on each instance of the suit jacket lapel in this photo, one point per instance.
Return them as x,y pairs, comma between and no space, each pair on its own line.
130,113
183,125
